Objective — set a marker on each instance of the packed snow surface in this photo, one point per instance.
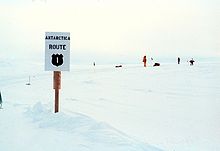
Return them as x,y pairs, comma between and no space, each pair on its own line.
171,107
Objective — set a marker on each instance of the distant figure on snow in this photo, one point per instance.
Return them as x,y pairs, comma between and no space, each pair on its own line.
145,60
93,63
191,62
178,59
151,61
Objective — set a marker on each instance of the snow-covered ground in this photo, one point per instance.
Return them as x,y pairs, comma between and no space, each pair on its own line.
171,107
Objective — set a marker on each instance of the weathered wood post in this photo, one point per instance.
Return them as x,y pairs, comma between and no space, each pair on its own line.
57,86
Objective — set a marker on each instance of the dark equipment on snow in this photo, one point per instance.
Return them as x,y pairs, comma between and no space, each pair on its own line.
118,66
156,64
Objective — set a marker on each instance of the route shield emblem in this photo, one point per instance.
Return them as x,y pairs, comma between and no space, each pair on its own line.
57,59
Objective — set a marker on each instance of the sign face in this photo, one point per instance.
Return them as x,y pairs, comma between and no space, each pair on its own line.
57,51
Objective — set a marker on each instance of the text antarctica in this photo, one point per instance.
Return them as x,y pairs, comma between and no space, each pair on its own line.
57,38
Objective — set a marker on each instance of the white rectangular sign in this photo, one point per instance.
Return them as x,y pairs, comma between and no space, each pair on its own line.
57,51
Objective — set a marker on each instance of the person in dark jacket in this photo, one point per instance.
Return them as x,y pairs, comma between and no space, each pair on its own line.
191,62
178,60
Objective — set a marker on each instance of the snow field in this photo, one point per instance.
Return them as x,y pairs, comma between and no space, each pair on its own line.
172,107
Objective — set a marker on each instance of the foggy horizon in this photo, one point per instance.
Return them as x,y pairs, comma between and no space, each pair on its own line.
116,29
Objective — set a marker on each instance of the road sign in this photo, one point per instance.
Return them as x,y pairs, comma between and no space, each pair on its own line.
57,51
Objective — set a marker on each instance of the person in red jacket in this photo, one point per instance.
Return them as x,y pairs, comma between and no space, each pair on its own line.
145,60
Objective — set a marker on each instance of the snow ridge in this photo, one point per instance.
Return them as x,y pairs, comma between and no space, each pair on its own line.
95,135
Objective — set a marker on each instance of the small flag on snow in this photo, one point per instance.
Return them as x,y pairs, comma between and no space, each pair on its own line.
0,100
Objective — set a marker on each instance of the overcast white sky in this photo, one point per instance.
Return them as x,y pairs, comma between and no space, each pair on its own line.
123,28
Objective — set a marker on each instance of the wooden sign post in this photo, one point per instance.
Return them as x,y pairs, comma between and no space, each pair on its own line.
57,86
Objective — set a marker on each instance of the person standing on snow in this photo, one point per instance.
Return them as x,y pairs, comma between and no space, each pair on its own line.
178,59
145,60
191,62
